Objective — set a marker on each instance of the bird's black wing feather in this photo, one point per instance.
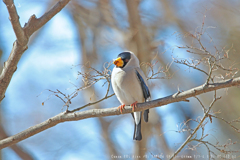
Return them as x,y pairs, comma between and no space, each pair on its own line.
145,90
146,94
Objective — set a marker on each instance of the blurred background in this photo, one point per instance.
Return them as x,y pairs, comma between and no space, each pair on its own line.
96,31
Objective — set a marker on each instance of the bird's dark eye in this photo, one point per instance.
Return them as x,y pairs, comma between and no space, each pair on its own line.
126,60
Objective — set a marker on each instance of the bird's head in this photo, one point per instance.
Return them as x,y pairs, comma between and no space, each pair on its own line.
122,60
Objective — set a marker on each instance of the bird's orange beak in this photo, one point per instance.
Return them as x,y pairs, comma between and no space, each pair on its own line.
118,62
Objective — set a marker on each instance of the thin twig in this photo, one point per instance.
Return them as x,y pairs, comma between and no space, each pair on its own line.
90,104
195,130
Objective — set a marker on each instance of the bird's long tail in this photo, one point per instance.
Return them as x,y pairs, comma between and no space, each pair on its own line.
137,129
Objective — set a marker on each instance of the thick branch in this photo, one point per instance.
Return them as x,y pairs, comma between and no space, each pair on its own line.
17,149
22,34
36,23
14,18
63,117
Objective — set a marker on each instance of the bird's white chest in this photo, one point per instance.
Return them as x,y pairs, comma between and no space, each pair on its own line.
126,86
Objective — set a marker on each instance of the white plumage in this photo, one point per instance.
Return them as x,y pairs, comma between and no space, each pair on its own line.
130,85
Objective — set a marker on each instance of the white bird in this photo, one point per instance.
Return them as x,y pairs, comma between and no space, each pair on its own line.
130,86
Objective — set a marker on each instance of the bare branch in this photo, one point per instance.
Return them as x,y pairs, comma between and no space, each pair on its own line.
190,64
229,123
63,117
22,34
16,148
89,104
14,18
195,130
89,78
35,23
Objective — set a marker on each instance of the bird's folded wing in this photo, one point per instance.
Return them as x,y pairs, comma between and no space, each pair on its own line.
146,93
143,82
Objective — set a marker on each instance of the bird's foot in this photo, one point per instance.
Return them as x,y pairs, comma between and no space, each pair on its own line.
134,105
121,108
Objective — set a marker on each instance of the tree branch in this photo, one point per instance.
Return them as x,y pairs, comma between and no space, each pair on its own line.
22,34
14,18
196,129
36,23
16,148
63,117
